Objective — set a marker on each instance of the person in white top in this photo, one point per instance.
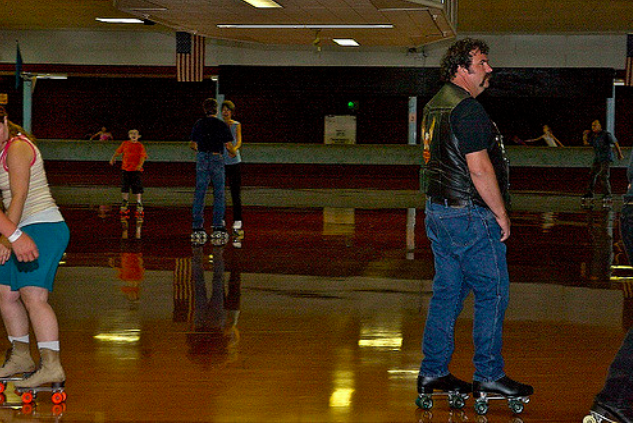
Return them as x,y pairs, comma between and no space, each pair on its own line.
548,137
25,287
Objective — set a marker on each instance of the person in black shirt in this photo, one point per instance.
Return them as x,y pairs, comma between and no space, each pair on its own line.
466,184
208,137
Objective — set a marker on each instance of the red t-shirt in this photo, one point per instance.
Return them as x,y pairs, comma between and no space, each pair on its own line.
132,152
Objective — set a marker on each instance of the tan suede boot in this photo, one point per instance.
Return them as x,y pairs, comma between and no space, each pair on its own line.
18,360
50,371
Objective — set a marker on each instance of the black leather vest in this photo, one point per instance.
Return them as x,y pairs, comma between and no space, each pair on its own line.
445,174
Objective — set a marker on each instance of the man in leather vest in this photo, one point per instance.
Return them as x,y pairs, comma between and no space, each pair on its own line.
466,184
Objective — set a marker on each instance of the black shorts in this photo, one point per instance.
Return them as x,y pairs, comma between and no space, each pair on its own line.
131,179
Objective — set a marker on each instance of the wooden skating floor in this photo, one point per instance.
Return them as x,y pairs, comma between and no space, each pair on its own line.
319,316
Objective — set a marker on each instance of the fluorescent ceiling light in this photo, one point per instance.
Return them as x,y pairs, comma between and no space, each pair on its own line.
263,4
120,20
346,42
299,26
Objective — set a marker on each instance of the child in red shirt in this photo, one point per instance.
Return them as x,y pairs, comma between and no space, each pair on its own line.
134,156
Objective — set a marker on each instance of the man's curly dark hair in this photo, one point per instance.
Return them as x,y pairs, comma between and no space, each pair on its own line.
459,54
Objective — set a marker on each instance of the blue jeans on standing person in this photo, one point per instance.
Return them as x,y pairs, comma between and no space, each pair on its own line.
469,256
209,169
618,387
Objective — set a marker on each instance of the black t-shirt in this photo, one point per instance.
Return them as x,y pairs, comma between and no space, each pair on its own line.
211,134
472,126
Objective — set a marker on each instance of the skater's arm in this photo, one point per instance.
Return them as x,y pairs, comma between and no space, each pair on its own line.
140,163
560,144
485,180
114,156
19,159
619,150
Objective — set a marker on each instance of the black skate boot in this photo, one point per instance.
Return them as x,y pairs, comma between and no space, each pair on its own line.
601,412
516,393
456,389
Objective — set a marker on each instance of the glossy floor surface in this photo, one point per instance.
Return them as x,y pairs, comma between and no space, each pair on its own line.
318,317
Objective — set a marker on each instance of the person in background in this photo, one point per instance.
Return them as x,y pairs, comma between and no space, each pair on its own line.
103,135
466,184
25,286
232,166
615,400
209,137
601,141
548,137
134,156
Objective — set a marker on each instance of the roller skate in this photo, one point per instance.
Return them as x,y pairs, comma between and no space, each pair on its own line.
140,214
124,209
586,202
455,389
237,234
220,236
600,413
199,237
49,377
607,202
517,394
18,364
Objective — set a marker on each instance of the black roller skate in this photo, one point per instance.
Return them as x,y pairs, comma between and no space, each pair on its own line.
199,237
600,413
517,394
455,389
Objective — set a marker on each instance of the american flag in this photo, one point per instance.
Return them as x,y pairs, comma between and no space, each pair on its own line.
189,57
628,78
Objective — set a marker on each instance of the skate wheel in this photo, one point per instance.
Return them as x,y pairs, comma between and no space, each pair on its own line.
27,408
28,397
425,403
456,401
516,406
57,397
58,409
3,387
589,419
481,408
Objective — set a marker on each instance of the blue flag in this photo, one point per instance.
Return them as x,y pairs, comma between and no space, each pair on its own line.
18,68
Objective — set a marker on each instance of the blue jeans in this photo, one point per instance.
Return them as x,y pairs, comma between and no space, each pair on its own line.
209,169
618,387
468,256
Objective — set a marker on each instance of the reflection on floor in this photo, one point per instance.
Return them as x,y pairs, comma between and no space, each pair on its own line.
319,316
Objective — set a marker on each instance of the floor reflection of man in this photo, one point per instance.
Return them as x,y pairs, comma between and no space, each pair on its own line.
600,225
214,319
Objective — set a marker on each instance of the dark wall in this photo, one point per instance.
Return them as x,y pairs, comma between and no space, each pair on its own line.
289,104
160,108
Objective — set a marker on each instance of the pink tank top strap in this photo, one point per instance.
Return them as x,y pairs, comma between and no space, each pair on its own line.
3,155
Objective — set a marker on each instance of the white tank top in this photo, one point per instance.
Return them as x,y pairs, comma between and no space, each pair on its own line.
39,206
